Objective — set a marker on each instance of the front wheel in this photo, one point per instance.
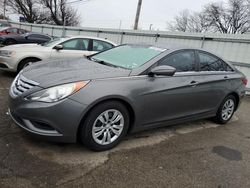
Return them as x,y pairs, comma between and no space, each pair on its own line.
26,62
105,126
226,110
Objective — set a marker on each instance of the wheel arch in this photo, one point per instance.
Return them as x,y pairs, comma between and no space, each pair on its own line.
237,97
25,58
125,102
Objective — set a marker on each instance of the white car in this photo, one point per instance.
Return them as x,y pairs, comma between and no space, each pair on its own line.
15,57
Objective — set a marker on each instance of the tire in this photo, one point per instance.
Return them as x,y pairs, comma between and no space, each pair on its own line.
10,42
24,63
223,118
96,119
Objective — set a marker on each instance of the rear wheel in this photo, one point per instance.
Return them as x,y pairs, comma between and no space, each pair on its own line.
105,126
26,62
226,110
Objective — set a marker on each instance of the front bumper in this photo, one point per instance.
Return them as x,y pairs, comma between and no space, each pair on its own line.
7,64
51,121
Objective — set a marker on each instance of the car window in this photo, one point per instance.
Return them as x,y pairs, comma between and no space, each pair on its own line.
183,61
13,30
52,42
4,25
101,45
76,44
211,63
39,36
21,31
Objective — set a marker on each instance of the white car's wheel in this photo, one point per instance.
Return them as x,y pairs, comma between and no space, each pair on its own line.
26,62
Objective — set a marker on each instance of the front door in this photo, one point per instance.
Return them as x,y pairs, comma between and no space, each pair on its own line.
73,48
172,97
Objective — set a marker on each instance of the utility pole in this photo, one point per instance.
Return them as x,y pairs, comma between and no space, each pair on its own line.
137,14
120,25
150,27
64,21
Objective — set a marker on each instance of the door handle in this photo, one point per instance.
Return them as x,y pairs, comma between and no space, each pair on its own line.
193,83
225,77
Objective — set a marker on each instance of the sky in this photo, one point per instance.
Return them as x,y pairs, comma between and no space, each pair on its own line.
121,13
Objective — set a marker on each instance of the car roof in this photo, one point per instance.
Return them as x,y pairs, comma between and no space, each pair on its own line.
29,33
90,37
171,47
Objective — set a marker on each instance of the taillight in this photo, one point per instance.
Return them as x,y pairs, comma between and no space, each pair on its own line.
244,81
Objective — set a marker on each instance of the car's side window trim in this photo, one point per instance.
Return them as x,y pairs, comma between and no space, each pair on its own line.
90,47
98,40
173,53
87,48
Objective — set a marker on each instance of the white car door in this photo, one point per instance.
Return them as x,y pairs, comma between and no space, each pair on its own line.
72,48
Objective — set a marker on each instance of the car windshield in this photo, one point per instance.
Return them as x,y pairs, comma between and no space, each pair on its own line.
52,42
128,56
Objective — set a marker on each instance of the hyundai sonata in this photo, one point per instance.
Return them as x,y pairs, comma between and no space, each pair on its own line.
101,98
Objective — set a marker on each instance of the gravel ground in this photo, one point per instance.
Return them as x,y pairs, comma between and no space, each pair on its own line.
197,154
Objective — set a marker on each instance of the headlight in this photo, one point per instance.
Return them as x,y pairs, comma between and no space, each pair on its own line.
6,53
57,93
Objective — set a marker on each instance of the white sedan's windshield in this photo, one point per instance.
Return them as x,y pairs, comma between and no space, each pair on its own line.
52,42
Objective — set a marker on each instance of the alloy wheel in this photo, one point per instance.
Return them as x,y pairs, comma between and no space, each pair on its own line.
228,109
108,126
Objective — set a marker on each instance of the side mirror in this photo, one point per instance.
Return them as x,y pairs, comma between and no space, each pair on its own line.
162,70
58,47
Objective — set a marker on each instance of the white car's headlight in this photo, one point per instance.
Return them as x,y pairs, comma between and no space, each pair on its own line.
57,93
6,53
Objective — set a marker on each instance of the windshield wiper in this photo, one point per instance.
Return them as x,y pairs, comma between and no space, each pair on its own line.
102,62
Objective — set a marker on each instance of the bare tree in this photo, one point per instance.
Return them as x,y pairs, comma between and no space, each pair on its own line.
2,9
29,9
231,17
45,11
61,12
1,6
239,13
188,22
180,22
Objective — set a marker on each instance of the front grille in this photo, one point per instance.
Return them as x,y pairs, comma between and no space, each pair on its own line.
22,85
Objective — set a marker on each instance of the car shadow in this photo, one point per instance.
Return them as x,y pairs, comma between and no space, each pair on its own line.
8,74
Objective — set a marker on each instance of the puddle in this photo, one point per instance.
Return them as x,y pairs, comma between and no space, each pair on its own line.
227,153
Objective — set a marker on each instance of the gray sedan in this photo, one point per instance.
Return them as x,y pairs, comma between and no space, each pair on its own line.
101,98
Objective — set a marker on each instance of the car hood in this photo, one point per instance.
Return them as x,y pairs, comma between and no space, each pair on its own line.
51,73
25,47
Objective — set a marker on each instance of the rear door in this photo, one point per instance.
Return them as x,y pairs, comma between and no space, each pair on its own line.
73,48
214,81
172,97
